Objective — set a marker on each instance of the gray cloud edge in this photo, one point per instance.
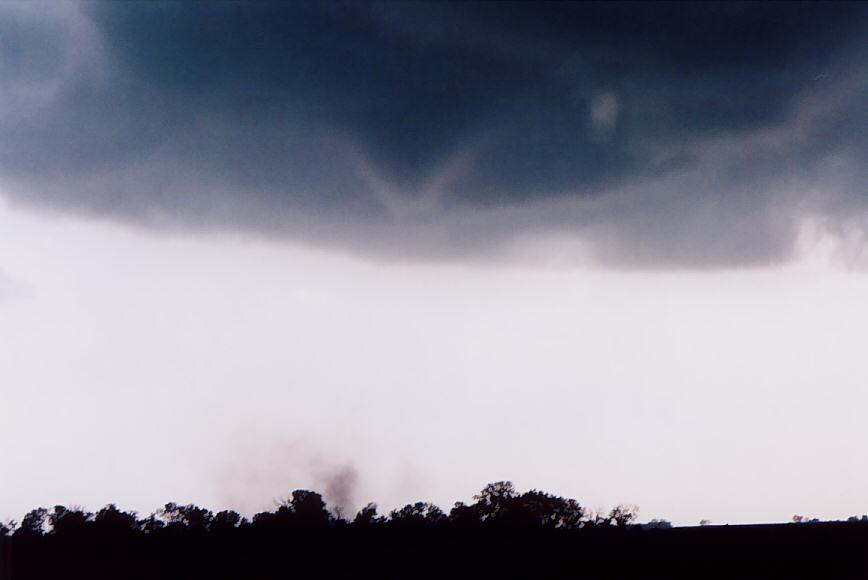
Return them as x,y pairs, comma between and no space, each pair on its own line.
740,202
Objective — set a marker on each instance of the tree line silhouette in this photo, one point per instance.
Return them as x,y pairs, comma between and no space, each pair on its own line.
498,504
502,533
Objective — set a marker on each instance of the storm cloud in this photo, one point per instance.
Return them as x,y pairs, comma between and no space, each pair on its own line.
633,135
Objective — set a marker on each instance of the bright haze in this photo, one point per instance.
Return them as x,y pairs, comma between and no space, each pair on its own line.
394,251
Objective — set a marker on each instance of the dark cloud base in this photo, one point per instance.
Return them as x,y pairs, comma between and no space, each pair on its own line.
665,135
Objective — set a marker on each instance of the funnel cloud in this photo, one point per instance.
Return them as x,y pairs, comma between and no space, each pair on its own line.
663,136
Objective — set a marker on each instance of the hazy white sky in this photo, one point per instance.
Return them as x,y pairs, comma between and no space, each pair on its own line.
139,368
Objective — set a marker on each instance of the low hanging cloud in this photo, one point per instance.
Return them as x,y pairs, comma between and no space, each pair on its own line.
636,136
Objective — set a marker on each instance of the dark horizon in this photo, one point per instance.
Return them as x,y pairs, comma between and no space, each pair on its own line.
503,533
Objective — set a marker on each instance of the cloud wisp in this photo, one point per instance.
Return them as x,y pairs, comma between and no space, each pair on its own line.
670,136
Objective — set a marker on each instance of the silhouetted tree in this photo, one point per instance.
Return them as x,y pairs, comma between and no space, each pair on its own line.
65,520
417,515
493,499
598,518
463,515
111,519
151,524
226,520
190,517
658,524
538,509
309,508
623,515
33,522
367,516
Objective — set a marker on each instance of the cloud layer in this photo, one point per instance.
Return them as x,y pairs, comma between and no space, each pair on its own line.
640,136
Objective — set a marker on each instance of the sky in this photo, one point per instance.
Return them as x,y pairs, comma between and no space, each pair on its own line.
394,251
